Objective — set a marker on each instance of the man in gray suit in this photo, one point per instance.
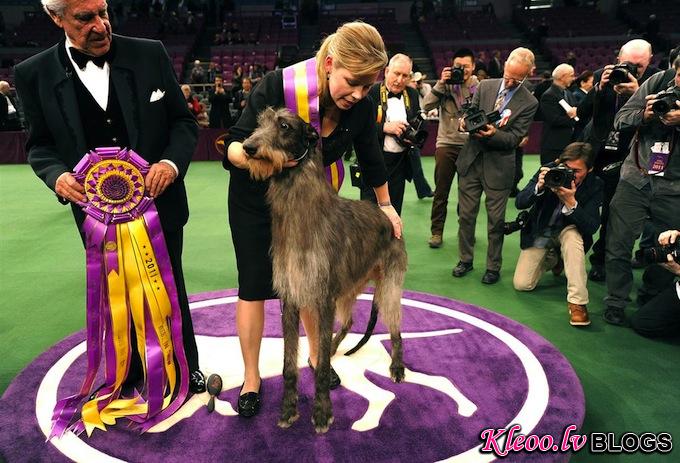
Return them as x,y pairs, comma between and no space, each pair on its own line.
487,161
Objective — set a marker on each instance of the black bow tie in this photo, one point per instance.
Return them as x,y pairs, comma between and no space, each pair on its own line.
81,58
393,95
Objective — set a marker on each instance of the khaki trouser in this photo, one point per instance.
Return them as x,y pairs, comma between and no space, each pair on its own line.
533,262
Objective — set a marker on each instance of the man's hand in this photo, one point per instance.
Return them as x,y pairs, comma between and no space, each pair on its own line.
68,188
604,79
566,195
572,112
446,75
540,184
395,128
672,117
488,131
648,114
628,88
666,238
461,125
160,176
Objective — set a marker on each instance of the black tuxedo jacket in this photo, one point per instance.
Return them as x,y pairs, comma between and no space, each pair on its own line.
411,112
159,129
557,126
586,216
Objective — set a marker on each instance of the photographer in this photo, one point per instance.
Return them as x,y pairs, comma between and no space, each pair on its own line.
561,222
660,317
649,185
220,116
610,145
449,95
486,163
397,105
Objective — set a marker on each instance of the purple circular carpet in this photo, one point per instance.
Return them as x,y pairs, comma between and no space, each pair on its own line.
468,369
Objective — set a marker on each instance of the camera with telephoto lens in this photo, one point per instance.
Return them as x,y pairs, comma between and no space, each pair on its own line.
517,224
665,101
476,119
457,75
657,254
619,74
559,176
414,134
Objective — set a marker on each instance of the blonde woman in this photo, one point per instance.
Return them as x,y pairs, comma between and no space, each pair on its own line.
347,64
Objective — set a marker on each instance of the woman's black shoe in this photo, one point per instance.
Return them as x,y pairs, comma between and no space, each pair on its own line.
249,403
334,378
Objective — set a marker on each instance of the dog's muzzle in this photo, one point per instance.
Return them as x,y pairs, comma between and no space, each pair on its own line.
250,150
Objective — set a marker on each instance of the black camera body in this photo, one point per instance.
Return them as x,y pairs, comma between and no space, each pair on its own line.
558,176
475,119
457,76
414,134
665,101
519,223
658,254
619,74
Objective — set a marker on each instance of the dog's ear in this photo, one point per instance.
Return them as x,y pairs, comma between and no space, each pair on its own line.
311,134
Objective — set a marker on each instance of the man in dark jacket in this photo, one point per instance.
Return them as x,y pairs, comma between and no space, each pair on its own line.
561,222
96,89
397,104
609,145
558,120
220,116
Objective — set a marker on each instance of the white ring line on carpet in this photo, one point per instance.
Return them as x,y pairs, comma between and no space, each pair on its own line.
528,417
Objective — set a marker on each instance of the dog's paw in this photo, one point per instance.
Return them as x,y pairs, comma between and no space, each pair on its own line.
322,426
397,374
288,419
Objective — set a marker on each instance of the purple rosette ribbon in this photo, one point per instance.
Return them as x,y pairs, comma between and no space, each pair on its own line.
129,283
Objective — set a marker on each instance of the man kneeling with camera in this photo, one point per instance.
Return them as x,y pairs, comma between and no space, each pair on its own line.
660,317
565,212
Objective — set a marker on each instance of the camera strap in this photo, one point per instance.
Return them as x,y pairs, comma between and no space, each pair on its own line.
382,108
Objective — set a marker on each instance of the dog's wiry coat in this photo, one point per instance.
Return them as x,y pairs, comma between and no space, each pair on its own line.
325,249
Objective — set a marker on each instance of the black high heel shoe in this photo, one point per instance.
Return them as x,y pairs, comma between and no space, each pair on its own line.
249,403
334,382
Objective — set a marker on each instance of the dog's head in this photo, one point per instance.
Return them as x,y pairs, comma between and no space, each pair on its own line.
281,137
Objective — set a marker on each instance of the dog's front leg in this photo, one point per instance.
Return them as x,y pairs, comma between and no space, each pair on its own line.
322,416
291,326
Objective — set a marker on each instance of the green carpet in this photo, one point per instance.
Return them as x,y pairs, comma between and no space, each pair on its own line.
630,383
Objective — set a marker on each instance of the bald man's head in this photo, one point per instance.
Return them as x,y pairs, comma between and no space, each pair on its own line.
637,52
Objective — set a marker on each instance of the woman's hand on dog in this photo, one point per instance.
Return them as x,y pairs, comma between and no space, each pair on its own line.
391,214
237,156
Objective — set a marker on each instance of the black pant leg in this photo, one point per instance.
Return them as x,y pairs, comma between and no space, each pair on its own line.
660,317
174,244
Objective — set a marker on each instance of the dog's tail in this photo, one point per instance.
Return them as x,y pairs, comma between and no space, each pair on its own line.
369,330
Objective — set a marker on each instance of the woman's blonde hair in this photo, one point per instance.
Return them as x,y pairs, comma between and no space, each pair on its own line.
355,46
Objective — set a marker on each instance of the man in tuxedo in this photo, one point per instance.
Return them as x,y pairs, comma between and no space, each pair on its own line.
487,161
560,225
397,104
98,89
558,123
220,117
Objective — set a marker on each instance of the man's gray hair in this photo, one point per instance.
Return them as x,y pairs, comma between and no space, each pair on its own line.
55,7
400,57
522,56
638,45
561,69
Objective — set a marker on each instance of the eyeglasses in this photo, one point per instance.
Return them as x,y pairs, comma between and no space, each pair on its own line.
512,79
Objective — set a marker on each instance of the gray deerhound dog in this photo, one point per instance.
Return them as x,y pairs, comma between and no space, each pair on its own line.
325,249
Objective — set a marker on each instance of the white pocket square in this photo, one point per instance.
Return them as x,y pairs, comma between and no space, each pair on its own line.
156,95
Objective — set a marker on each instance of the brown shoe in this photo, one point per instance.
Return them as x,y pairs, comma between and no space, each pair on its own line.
578,314
435,241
